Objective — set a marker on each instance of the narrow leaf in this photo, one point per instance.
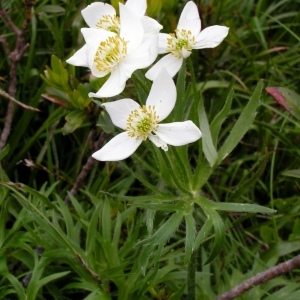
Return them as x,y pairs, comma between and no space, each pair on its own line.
243,123
190,228
220,118
219,231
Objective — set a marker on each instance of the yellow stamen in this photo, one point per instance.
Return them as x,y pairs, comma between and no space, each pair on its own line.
142,121
109,53
109,23
182,39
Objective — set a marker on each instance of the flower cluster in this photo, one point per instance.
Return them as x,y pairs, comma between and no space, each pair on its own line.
119,45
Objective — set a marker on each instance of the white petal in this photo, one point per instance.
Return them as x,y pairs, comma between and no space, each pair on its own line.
131,28
150,26
185,53
79,58
158,142
179,133
93,38
211,37
118,148
162,94
113,86
95,11
137,6
163,42
143,56
189,18
169,62
94,34
119,111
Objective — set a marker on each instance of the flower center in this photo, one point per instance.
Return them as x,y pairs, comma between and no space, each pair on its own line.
109,53
142,121
181,43
109,23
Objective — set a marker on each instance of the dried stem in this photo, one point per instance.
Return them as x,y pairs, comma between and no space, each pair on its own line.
14,57
88,165
262,277
7,96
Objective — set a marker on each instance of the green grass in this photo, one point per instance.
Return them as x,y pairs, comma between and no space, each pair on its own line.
121,236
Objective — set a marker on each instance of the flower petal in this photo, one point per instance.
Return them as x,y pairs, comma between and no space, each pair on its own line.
162,94
113,86
169,62
211,37
137,6
93,38
179,133
95,11
119,111
150,26
118,148
79,58
131,29
163,42
159,143
143,56
94,34
189,18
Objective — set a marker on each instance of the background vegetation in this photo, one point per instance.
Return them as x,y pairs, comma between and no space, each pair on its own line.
67,232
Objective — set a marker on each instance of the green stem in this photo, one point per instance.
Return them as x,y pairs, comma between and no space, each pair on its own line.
142,83
194,85
191,279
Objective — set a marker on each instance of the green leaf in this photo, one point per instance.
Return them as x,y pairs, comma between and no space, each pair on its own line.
242,207
74,120
106,221
180,87
209,149
203,233
165,232
4,152
255,172
190,229
216,124
242,125
234,207
55,9
219,232
79,98
292,173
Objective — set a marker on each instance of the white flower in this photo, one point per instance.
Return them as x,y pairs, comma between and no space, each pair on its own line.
187,36
119,54
103,16
142,122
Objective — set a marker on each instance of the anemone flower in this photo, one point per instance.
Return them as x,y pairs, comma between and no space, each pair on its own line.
117,54
187,36
142,122
103,16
